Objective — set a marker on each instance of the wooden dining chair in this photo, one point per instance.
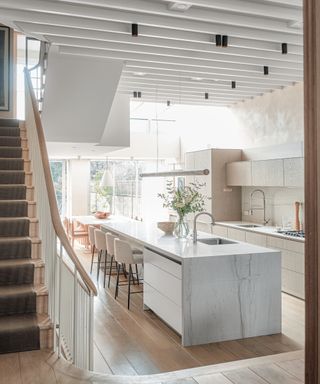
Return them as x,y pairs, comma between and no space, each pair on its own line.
78,233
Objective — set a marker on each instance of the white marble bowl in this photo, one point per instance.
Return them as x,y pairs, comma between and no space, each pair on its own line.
166,226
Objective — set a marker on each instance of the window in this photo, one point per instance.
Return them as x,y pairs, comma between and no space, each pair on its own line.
58,173
125,197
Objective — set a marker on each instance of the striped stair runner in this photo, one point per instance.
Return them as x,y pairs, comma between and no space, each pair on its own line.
19,330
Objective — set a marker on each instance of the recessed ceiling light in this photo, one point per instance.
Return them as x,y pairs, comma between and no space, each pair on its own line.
179,7
139,73
196,78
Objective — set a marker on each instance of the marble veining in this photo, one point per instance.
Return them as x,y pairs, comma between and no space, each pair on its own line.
229,291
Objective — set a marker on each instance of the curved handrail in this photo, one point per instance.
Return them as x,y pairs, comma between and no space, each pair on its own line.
55,216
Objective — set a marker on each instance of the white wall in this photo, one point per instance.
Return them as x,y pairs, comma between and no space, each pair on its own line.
271,119
79,93
117,129
79,187
272,127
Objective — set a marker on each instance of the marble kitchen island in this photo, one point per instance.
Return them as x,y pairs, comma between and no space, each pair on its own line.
207,293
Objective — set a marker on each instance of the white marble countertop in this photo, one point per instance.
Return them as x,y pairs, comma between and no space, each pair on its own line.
147,234
263,229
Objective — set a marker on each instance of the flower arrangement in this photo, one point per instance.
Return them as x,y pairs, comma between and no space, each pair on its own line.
183,200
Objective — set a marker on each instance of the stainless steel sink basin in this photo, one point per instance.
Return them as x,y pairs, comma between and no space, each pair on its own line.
216,241
248,225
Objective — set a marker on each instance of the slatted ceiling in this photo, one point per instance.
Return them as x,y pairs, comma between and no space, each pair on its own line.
174,47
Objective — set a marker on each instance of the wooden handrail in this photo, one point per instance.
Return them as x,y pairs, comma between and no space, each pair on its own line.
55,216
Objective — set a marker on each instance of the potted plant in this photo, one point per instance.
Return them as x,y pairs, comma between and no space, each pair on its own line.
183,200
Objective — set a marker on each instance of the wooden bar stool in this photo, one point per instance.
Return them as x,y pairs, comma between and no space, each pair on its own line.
91,230
123,254
101,246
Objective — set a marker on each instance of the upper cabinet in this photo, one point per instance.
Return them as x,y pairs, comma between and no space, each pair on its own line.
239,173
294,172
266,173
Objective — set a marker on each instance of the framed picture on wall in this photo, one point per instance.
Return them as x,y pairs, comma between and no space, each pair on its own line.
4,68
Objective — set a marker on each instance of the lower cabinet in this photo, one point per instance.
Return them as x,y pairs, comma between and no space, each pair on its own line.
292,255
162,290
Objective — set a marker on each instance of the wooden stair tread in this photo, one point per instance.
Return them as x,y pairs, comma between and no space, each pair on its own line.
31,219
22,321
12,290
16,262
34,240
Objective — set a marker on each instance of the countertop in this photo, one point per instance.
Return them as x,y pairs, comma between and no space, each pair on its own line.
264,230
148,235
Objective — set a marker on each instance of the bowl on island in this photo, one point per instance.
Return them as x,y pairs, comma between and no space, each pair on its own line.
166,226
102,215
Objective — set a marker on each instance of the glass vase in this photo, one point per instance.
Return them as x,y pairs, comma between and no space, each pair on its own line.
181,229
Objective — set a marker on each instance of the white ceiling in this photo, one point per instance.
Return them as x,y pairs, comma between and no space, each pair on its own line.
175,56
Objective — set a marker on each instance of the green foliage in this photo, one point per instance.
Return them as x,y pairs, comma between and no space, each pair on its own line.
104,194
184,200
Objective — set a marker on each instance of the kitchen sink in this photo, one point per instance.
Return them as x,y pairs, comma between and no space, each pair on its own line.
216,241
248,225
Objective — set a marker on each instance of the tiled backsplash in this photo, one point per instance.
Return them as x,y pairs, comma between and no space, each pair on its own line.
280,208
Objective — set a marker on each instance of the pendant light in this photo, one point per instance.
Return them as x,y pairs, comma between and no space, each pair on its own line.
107,178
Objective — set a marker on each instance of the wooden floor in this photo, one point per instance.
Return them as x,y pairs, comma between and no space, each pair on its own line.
137,342
40,367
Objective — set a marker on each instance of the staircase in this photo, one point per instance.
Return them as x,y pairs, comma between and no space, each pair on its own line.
24,322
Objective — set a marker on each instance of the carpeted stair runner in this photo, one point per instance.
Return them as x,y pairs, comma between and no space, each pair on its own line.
13,192
12,164
11,177
19,330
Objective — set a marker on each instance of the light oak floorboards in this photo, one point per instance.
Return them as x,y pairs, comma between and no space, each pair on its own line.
137,342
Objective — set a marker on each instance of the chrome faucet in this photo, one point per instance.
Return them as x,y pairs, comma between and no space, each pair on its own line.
265,221
195,236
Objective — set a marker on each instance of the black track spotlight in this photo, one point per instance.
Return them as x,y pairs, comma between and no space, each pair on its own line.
284,48
168,103
224,40
135,94
266,70
134,29
218,40
233,84
139,95
206,95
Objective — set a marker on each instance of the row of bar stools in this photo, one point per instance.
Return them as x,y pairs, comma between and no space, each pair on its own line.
120,254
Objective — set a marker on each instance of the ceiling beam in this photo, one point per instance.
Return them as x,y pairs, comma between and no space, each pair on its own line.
125,52
210,74
261,31
219,12
152,42
206,58
195,83
193,65
290,9
171,87
144,31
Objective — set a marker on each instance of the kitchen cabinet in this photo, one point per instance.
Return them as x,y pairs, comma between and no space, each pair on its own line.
287,172
239,173
268,173
162,288
294,172
216,189
292,255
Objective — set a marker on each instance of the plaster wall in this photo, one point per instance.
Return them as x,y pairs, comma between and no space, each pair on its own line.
272,119
79,94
